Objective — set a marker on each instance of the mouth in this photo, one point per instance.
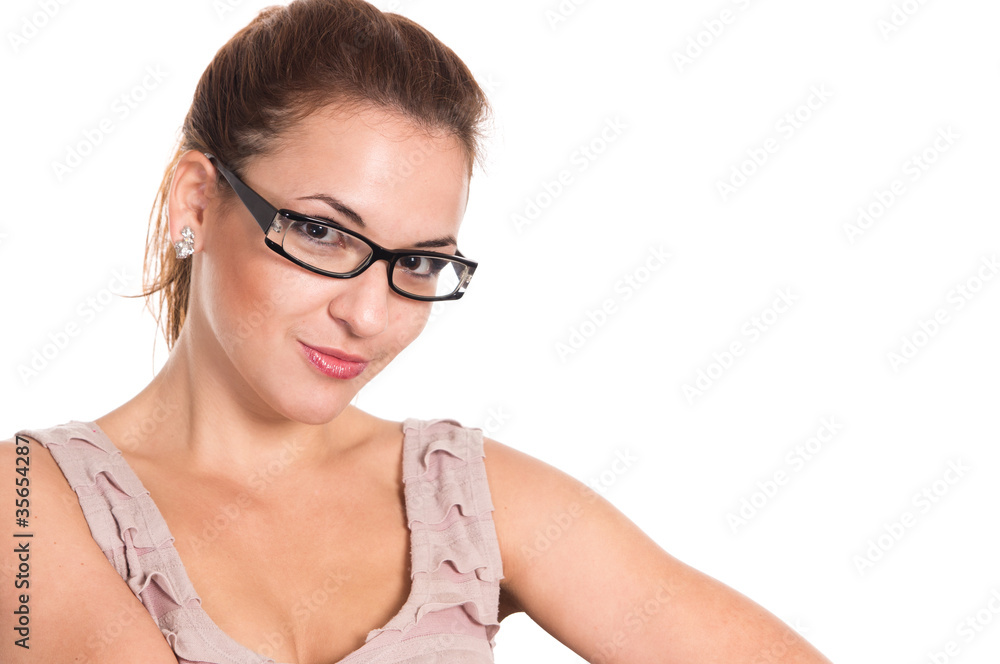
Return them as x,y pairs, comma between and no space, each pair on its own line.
334,363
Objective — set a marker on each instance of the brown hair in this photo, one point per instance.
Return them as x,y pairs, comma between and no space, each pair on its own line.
288,63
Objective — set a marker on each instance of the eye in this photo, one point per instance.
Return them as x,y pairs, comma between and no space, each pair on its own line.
319,234
316,231
423,266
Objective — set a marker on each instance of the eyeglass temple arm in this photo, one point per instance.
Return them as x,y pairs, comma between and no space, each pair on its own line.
262,211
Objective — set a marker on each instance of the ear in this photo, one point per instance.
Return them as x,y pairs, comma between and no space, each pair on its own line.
191,190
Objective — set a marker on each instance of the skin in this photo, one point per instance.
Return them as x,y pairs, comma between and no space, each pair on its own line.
259,382
237,410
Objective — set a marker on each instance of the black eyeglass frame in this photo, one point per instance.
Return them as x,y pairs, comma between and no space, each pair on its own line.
267,215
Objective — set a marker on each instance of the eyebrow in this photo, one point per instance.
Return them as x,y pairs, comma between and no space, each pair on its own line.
436,243
445,241
338,206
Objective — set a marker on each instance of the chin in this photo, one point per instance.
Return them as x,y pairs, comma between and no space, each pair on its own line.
298,391
314,409
300,395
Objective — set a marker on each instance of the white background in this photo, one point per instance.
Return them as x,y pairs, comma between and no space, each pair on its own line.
683,129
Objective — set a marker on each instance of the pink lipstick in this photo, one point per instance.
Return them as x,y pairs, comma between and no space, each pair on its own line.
333,363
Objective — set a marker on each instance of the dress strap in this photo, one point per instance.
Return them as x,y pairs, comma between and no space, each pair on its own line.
455,551
134,537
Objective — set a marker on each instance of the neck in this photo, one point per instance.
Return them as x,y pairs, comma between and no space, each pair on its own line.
199,414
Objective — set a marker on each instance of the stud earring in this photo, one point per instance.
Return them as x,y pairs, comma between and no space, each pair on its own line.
185,247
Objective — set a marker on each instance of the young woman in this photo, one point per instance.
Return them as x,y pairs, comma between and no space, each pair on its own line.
249,512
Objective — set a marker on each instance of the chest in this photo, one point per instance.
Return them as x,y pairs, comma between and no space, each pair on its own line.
299,574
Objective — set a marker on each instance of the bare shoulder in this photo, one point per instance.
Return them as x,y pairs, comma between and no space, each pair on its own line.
79,608
536,505
554,530
518,479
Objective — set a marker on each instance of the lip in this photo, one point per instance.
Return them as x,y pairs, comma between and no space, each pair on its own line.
333,362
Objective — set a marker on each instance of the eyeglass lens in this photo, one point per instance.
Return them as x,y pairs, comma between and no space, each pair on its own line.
330,250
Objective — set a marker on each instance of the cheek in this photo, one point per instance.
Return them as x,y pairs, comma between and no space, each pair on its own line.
257,305
406,323
244,294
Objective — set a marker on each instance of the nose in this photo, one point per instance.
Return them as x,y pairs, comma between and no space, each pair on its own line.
362,302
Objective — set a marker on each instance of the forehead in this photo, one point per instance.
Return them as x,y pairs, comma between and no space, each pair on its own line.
391,145
385,166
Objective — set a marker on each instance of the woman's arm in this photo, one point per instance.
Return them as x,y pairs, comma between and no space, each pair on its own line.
81,611
595,581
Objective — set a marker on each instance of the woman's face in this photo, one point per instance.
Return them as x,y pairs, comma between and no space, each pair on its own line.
270,317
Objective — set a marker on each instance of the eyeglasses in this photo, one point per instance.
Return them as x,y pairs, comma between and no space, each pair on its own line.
326,248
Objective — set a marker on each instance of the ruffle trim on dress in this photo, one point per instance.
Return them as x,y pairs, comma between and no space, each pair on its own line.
453,541
455,556
136,540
